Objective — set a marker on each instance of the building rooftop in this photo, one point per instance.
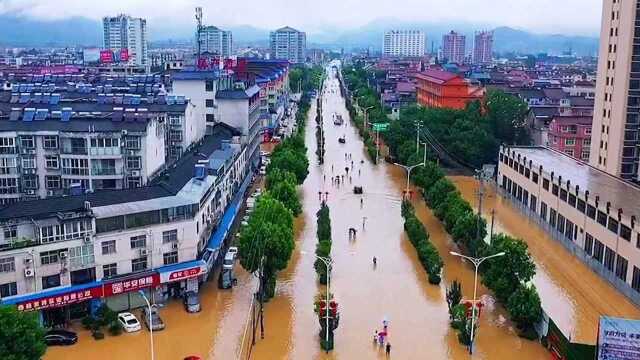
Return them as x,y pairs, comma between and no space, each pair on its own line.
165,185
194,74
437,76
571,119
238,94
608,188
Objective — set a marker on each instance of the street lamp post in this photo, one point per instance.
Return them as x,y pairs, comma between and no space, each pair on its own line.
476,262
366,115
327,262
141,292
408,170
424,159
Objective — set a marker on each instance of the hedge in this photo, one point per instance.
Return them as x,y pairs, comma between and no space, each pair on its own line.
418,236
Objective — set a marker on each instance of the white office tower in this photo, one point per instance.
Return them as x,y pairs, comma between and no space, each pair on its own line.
126,32
216,41
403,43
288,44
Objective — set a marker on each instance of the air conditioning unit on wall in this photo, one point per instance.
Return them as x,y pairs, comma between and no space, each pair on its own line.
29,272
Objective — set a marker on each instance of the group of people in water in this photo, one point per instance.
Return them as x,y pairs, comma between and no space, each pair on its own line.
380,337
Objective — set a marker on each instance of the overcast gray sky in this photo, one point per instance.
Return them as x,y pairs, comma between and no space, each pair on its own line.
543,16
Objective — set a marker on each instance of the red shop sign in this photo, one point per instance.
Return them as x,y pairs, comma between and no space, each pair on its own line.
184,274
131,284
61,299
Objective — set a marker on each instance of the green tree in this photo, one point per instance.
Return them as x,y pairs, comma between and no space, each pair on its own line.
267,239
506,273
454,295
21,335
507,114
285,192
278,175
439,192
524,306
292,161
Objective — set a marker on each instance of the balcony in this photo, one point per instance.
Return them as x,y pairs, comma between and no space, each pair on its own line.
75,171
105,151
105,171
20,243
74,150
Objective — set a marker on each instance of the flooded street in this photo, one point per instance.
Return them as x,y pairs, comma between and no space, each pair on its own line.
573,295
396,289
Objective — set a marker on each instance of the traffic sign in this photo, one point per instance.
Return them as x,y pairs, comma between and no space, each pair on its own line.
380,126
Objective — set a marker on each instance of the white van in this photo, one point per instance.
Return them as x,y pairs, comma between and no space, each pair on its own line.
227,264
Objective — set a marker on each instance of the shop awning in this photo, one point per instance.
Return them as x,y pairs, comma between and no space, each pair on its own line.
229,215
182,271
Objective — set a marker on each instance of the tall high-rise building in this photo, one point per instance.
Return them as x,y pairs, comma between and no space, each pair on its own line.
403,43
483,47
616,119
453,47
216,41
126,32
288,43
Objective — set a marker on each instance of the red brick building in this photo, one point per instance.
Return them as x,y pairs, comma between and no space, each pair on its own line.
571,135
441,89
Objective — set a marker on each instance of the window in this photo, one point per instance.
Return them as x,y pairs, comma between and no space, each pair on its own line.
7,264
581,206
588,244
10,232
570,142
8,186
75,166
533,204
208,103
613,225
7,166
50,142
635,282
7,145
132,142
49,257
609,258
50,233
109,270
27,142
621,268
169,236
51,162
30,182
563,195
568,231
210,118
9,289
104,142
28,162
52,182
554,190
552,218
170,257
543,210
134,162
625,232
50,281
139,264
208,85
534,177
561,224
587,142
585,154
598,250
133,182
602,218
108,247
139,241
572,200
591,211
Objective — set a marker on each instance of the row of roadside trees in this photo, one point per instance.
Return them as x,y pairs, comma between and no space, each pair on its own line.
472,135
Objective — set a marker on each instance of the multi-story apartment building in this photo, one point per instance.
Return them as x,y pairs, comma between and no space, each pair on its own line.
126,32
215,41
65,256
571,135
614,148
483,47
403,43
201,86
70,145
453,47
592,213
289,44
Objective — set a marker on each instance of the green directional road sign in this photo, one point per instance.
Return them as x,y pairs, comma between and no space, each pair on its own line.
380,126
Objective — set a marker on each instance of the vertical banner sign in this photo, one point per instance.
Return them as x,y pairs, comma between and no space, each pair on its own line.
124,55
106,56
618,339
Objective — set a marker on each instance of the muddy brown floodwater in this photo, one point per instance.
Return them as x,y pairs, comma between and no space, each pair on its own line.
396,289
573,295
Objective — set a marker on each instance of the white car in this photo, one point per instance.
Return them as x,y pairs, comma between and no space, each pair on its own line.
233,250
129,322
265,153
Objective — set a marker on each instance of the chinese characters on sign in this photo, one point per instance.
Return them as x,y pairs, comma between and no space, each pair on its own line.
110,289
618,339
184,274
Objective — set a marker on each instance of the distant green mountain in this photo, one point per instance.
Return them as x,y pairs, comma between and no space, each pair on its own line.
25,32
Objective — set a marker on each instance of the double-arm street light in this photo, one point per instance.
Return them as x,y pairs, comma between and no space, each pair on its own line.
408,170
327,262
141,292
366,118
476,262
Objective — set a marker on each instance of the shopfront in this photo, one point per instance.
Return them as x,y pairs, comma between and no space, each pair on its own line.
177,279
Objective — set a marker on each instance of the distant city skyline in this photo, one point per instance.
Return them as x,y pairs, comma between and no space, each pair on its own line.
576,17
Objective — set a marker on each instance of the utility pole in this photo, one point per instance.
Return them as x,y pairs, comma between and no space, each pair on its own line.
493,217
262,284
480,177
418,126
199,30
